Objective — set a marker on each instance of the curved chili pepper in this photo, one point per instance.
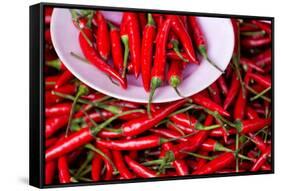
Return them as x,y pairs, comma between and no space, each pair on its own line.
181,32
139,125
50,82
253,125
265,81
249,63
116,48
58,110
209,104
233,91
140,170
216,164
133,31
259,142
213,145
64,175
103,40
261,160
91,55
172,55
251,113
158,70
186,121
220,132
121,166
174,75
149,34
50,168
140,143
65,77
79,138
200,40
108,164
54,124
215,93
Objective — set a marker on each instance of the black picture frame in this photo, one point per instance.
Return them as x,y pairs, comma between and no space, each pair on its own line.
37,118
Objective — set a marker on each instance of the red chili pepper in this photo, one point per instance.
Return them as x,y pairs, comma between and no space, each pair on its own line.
212,145
181,32
140,143
185,121
262,25
96,168
265,81
65,77
233,91
140,170
222,83
167,133
158,70
133,31
123,103
179,164
149,34
264,58
251,113
253,125
108,164
51,141
79,138
174,75
91,55
254,43
215,93
125,41
50,82
121,166
261,160
116,48
259,142
50,168
220,132
216,164
249,63
199,40
54,124
139,125
209,104
103,40
51,99
142,20
240,105
58,110
64,174
172,55
47,15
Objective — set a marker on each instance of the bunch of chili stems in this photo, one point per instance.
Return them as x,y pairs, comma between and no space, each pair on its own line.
226,128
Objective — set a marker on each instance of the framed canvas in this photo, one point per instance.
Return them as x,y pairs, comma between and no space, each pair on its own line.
122,95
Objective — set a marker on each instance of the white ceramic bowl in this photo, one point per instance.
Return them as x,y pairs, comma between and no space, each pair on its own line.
218,33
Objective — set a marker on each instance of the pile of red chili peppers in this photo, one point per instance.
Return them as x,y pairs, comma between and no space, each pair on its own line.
225,128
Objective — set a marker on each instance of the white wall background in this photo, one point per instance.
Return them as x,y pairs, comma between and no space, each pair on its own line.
14,74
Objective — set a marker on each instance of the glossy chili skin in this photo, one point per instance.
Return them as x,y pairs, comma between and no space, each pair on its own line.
216,164
140,170
168,133
261,145
64,174
261,160
121,166
139,125
97,163
140,143
65,77
92,56
174,74
263,58
158,70
69,143
233,91
253,125
108,165
251,64
148,37
50,168
254,43
184,120
103,38
116,49
209,104
133,30
58,110
54,124
181,33
265,81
